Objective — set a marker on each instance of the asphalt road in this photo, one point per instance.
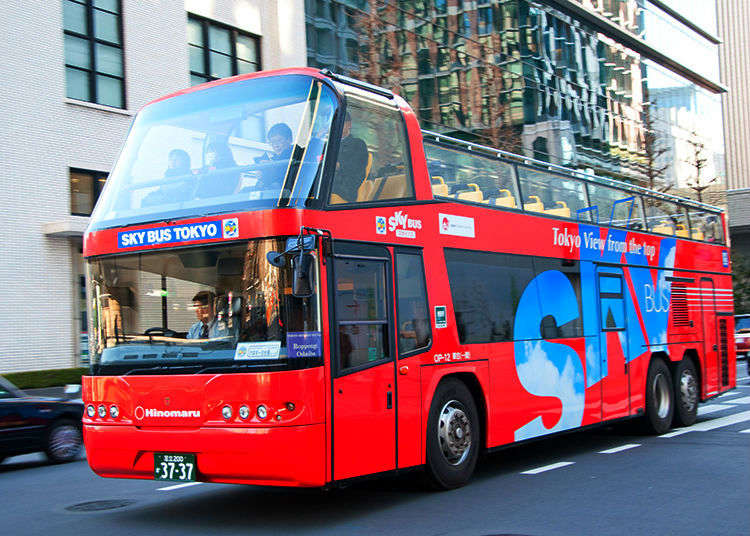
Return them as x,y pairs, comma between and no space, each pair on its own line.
610,481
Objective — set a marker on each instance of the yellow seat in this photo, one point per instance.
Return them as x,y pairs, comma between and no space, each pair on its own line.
536,204
366,190
472,194
698,235
505,199
369,164
394,187
663,228
682,230
560,209
439,187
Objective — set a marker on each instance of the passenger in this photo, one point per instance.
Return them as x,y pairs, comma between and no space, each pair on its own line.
351,166
273,165
219,175
207,326
178,163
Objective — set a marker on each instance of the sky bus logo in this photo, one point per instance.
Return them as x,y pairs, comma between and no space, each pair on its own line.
380,224
230,228
141,413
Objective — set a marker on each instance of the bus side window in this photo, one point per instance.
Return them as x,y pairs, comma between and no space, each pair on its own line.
373,160
414,330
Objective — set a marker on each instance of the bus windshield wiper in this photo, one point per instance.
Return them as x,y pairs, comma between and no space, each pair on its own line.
216,368
159,367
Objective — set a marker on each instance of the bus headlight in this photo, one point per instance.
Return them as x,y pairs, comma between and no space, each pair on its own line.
90,411
244,412
262,412
102,411
114,411
226,412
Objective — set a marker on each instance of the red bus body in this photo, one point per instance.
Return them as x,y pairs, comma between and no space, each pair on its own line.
341,426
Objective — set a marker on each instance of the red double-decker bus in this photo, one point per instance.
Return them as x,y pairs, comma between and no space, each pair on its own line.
289,283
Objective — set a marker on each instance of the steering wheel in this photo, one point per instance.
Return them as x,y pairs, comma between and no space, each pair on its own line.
166,332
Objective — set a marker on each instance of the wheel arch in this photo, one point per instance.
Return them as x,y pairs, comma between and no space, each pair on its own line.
473,384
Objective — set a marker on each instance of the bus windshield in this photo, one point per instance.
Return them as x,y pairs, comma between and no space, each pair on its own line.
204,309
256,143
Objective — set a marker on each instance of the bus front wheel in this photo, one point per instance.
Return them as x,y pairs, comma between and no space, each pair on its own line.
659,398
452,436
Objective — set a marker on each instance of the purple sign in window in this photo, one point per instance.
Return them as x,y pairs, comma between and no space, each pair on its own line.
304,344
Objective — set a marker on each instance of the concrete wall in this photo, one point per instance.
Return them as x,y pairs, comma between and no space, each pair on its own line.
44,134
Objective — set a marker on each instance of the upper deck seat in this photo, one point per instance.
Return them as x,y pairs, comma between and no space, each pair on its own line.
536,204
663,228
392,187
682,230
560,209
505,199
439,187
472,194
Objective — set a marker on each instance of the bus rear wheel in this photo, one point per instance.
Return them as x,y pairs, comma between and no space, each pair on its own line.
686,393
659,398
452,436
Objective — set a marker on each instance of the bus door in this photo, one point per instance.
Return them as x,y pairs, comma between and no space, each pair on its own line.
613,343
710,342
364,394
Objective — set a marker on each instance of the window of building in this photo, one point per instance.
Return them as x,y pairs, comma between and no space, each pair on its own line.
218,51
85,187
94,70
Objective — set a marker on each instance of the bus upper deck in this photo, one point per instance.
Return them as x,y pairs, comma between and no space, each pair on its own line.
301,139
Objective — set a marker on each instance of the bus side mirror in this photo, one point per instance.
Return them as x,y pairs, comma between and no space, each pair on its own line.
302,285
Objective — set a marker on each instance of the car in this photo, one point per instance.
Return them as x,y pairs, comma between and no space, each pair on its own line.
742,335
39,424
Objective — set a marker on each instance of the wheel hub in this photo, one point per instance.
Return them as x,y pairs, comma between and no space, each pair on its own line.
454,432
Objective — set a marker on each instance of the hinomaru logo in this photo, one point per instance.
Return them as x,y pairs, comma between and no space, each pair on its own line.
141,413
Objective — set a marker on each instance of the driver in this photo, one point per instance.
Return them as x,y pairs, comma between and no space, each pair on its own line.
207,326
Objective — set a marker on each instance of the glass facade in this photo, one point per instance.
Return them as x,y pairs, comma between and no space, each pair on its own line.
525,77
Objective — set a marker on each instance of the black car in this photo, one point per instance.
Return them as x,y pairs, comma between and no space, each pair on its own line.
32,424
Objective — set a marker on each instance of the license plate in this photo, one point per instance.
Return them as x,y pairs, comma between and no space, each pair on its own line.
174,467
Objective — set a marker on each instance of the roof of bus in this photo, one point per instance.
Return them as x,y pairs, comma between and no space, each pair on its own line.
308,71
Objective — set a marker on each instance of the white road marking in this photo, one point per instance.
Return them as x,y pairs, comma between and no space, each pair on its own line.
745,431
712,424
710,408
546,468
178,486
620,449
743,400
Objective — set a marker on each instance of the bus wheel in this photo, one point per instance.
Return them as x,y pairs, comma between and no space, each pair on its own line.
659,398
452,436
686,393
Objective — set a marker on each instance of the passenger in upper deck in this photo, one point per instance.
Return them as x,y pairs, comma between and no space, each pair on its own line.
178,163
351,167
273,165
215,180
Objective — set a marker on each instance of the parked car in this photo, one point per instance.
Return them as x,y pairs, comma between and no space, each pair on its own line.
33,424
742,335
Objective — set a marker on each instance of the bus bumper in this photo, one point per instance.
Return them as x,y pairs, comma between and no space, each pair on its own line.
271,456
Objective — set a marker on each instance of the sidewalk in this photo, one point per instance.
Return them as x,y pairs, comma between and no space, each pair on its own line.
54,392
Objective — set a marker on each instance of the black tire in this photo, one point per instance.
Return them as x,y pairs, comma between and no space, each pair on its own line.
64,441
659,398
452,436
686,393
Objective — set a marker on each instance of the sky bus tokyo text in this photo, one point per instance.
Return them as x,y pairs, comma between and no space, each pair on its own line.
283,264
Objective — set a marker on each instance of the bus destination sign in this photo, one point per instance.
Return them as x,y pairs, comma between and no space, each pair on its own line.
172,234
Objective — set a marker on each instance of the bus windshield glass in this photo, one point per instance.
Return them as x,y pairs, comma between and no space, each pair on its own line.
251,144
194,310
